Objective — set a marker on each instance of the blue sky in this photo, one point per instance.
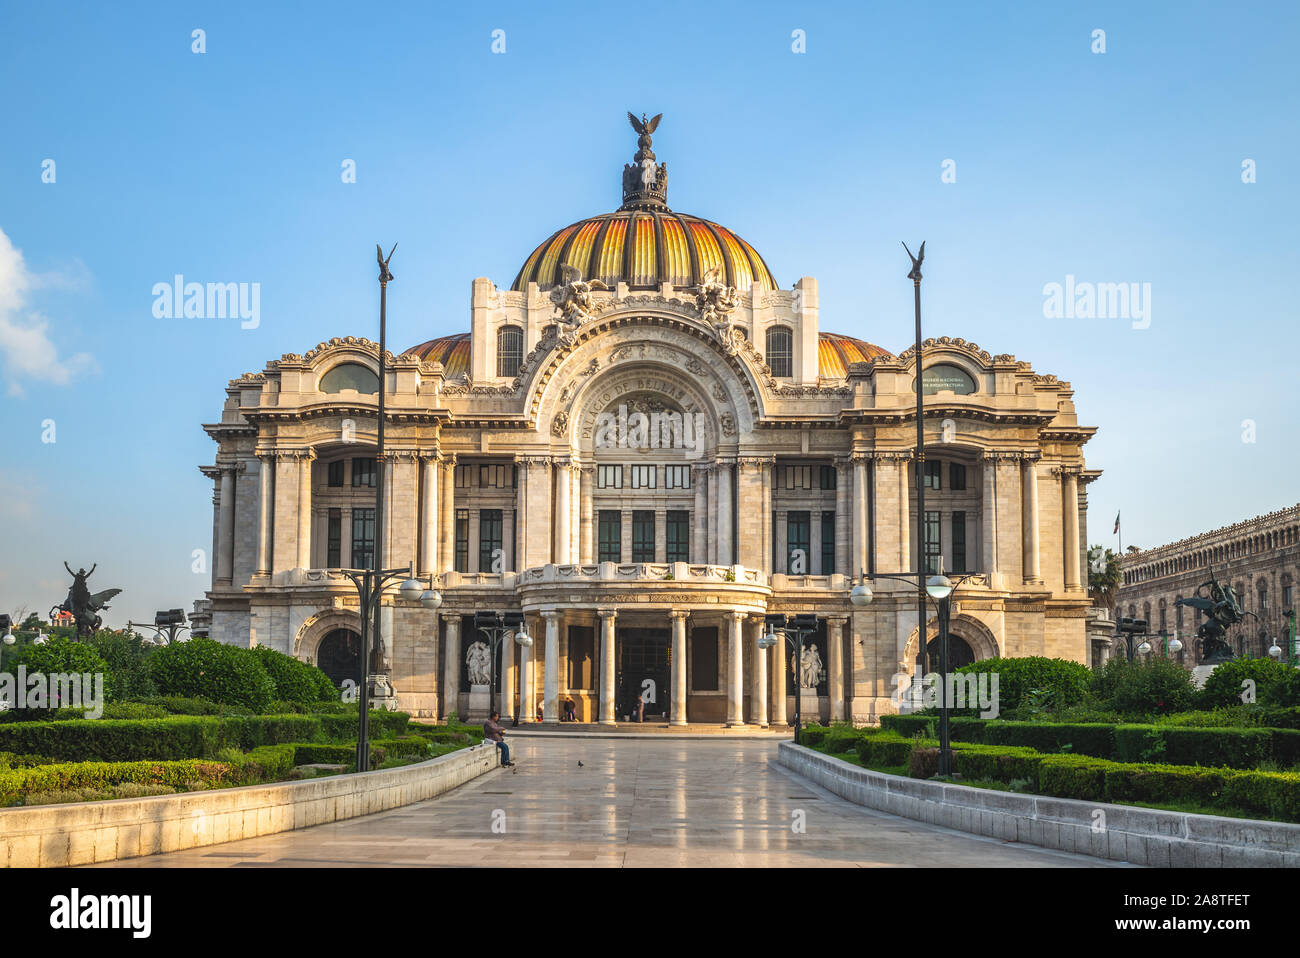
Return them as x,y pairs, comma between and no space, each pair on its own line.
225,166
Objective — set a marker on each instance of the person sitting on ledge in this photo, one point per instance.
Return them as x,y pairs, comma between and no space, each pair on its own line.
493,732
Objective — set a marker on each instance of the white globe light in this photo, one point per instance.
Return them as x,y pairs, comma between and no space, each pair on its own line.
1175,645
939,587
9,638
41,639
767,641
523,638
860,595
1275,650
411,589
431,599
1145,647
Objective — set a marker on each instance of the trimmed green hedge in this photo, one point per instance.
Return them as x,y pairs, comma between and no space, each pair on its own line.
885,748
17,782
960,728
382,724
295,681
169,739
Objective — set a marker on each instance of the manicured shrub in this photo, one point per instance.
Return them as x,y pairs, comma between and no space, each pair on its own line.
175,738
923,762
1044,682
324,754
1156,784
812,735
267,763
17,782
295,681
997,763
884,748
1151,687
58,656
1285,691
1274,716
1276,794
188,705
1228,747
223,673
1073,776
1224,686
1091,738
1237,716
382,725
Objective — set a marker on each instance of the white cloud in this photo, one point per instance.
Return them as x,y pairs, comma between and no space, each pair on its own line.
26,350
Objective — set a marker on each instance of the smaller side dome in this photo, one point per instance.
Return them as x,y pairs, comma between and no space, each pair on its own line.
835,353
452,351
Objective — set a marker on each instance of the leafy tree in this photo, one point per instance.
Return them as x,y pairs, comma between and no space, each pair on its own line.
1155,686
1034,679
57,656
1103,576
1224,687
295,681
127,656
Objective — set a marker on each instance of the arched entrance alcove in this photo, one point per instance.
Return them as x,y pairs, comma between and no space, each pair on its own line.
970,640
338,655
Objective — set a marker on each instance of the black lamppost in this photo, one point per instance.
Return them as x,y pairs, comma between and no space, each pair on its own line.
494,626
792,629
1129,629
168,622
915,277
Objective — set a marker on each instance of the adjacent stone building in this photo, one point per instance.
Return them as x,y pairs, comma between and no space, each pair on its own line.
644,445
1259,558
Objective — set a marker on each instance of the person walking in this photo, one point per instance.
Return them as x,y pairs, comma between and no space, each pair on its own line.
493,732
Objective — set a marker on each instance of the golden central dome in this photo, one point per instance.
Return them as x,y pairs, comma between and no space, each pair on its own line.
645,248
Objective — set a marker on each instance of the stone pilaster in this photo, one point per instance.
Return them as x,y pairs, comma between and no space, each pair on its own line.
607,620
836,625
677,694
735,669
451,664
551,668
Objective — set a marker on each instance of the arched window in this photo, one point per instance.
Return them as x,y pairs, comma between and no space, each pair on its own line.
780,351
510,351
350,376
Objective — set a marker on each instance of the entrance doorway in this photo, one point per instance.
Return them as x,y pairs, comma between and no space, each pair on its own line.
959,652
642,673
339,656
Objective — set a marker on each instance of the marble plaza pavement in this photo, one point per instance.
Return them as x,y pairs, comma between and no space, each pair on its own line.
634,801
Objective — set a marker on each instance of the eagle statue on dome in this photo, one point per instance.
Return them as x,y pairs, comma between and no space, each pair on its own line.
716,301
572,297
643,126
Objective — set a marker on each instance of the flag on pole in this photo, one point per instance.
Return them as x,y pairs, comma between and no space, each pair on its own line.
1116,529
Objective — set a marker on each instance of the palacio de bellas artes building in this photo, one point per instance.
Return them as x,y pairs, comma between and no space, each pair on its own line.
644,444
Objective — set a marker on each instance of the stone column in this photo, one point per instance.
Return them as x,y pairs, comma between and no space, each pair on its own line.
265,511
712,537
769,472
429,518
575,512
677,694
700,520
735,671
551,669
778,698
451,665
447,530
1029,485
835,628
726,556
226,537
989,521
843,518
587,533
1070,494
521,517
507,676
563,489
758,695
304,509
607,619
905,521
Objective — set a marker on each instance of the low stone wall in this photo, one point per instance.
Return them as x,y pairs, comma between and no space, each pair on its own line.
1141,836
89,832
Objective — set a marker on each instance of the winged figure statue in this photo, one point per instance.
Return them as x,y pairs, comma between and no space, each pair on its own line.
384,275
643,126
572,296
82,604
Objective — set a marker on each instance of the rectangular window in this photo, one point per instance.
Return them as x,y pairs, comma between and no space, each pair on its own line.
828,543
933,472
494,476
956,477
678,535
462,475
932,550
798,477
489,540
828,477
959,542
704,659
610,536
643,477
462,540
796,539
336,473
609,477
363,474
1286,598
677,477
363,537
643,536
334,539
